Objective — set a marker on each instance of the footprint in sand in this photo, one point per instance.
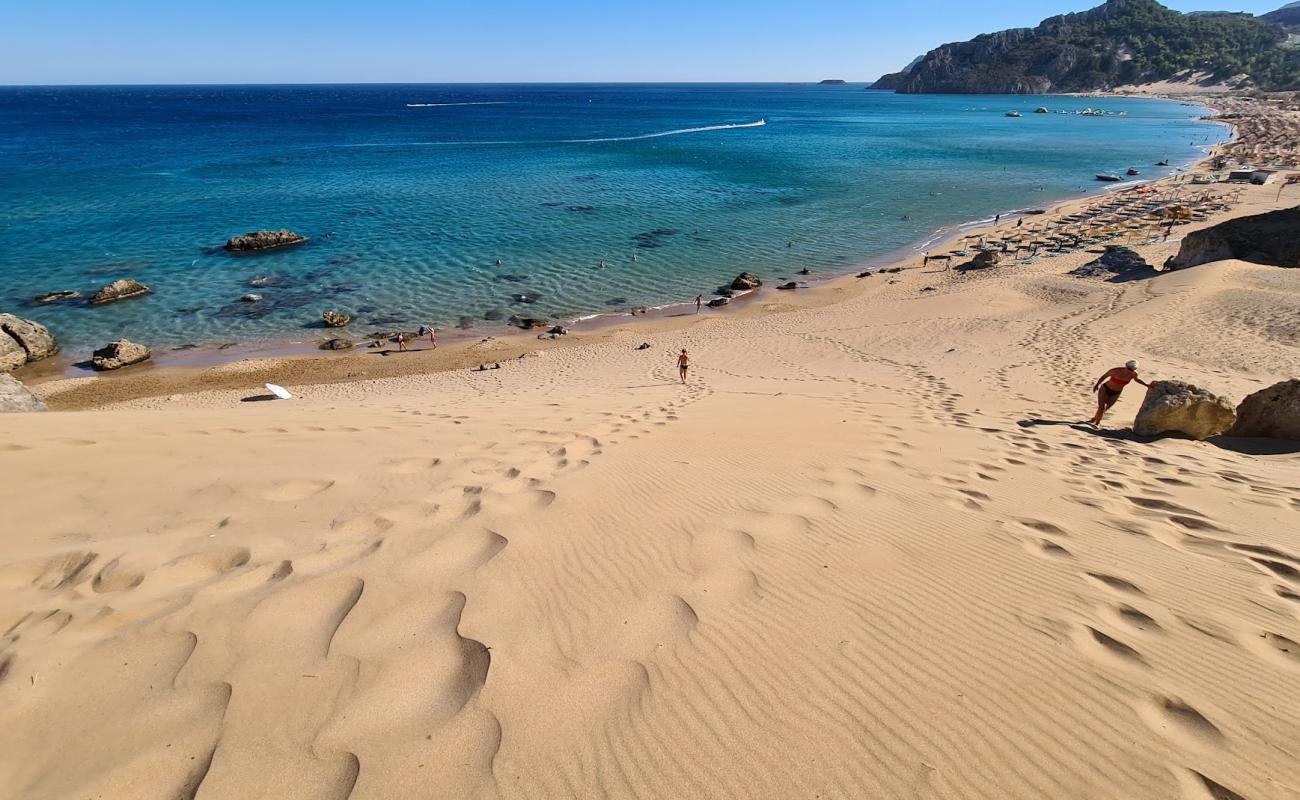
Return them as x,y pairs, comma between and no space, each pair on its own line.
1112,582
411,466
1277,648
50,573
295,490
1106,648
1180,722
1198,787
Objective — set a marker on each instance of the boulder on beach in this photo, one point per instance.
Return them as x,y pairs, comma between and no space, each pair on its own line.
22,338
335,319
55,297
1273,412
1179,407
123,289
1118,263
337,344
15,398
558,330
719,302
746,281
984,259
264,240
12,356
116,355
1272,239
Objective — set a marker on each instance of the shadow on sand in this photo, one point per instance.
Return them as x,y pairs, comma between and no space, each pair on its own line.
258,398
1238,444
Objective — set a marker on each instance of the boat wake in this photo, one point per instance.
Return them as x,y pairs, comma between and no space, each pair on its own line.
446,105
679,132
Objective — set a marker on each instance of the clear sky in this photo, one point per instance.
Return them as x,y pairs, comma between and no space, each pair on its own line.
325,41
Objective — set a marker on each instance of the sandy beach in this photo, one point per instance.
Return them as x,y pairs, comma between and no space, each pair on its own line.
866,551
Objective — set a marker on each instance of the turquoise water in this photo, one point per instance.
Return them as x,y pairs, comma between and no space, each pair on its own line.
411,194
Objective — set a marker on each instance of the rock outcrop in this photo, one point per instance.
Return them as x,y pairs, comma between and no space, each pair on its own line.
1178,407
335,319
116,355
338,344
745,281
1272,239
23,341
263,240
14,397
123,289
1273,412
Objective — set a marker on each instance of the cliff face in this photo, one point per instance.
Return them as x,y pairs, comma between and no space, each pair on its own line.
1121,41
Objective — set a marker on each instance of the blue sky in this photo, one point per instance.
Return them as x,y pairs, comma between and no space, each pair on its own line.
308,41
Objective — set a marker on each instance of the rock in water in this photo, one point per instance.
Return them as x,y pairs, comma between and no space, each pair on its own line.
264,240
745,281
14,397
335,319
1178,407
54,297
119,290
1272,239
788,286
31,338
337,344
252,297
1273,412
719,302
121,353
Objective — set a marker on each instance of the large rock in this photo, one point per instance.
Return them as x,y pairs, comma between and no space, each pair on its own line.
15,397
123,289
12,355
121,353
335,319
1272,239
264,240
56,297
1273,412
1118,263
1178,407
745,281
337,344
32,338
984,259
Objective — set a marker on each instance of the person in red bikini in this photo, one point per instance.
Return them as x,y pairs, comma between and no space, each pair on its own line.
1109,386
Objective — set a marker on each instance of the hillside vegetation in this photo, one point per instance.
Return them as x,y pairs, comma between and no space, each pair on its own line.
1120,42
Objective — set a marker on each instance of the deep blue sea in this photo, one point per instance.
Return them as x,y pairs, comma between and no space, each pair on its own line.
412,193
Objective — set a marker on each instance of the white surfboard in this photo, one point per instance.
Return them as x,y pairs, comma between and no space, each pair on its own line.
279,391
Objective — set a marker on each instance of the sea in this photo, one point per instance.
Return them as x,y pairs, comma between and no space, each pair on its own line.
461,205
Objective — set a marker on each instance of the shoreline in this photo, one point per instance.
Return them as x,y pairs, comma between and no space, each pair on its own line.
63,379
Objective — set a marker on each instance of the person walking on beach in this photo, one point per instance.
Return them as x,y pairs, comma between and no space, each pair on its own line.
683,364
699,301
401,342
433,336
1109,386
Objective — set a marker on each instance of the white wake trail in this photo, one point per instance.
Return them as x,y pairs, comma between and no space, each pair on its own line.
678,132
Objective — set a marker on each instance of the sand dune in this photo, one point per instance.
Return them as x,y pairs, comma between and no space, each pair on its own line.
864,553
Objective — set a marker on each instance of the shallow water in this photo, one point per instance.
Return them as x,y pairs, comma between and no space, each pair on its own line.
411,194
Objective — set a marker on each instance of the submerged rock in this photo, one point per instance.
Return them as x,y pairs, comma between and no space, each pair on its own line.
335,319
30,341
123,289
1179,407
250,298
56,297
1272,239
337,344
264,240
1273,412
719,302
746,281
116,355
16,398
527,323
788,286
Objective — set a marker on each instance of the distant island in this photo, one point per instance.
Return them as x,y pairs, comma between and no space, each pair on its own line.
832,82
1119,43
